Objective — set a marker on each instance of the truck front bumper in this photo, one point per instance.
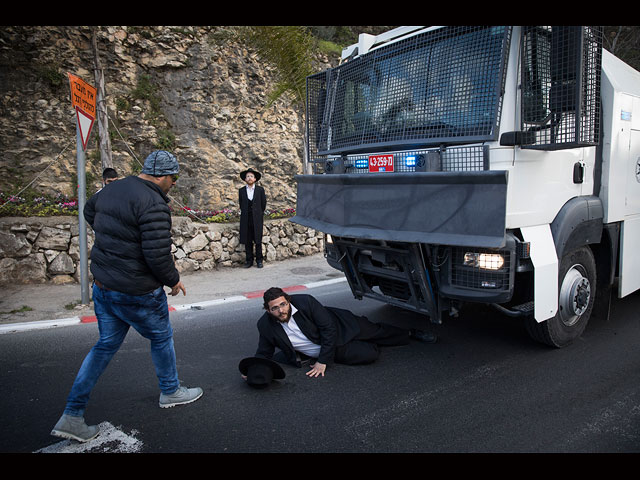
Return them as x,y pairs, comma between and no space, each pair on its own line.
440,208
426,278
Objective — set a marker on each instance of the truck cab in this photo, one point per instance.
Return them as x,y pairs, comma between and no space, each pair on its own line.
484,164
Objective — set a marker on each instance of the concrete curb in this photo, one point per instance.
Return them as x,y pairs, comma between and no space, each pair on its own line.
65,322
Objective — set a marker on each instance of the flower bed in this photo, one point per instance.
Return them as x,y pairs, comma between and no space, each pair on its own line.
37,206
49,206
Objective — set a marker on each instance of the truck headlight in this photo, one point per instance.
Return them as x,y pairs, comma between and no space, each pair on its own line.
486,261
328,239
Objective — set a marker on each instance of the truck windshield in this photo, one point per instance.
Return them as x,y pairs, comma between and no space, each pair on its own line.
440,86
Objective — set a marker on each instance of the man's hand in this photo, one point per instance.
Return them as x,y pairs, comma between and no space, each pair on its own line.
176,289
317,369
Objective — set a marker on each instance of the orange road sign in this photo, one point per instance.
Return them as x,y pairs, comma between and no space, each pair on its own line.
83,99
83,95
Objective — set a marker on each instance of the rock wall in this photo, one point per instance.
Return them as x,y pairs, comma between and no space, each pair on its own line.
39,250
190,90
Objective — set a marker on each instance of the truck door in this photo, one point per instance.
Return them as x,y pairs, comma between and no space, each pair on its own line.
630,232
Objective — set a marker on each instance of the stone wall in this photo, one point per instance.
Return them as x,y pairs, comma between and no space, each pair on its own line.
40,250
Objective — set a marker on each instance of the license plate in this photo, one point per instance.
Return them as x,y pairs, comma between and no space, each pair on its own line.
381,163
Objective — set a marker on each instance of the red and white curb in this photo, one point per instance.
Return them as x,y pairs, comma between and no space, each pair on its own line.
65,322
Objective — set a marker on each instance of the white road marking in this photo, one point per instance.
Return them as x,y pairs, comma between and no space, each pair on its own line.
37,325
209,303
109,440
371,424
620,418
322,283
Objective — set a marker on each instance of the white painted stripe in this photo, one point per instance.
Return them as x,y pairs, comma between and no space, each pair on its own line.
208,303
322,283
23,326
109,440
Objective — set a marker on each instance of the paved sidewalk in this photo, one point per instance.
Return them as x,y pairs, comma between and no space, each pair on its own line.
51,305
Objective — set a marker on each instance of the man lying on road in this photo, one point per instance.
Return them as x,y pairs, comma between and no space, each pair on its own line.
303,328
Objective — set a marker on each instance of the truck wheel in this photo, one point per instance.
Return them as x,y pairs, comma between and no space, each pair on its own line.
577,291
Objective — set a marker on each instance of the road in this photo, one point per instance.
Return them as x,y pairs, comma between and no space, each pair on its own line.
484,387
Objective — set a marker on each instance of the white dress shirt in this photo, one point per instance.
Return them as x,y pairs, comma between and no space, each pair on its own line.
250,191
299,341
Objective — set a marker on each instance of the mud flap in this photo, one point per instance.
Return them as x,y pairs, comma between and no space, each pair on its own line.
545,262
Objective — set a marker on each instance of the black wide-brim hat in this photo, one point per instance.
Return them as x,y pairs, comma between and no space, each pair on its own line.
258,175
260,371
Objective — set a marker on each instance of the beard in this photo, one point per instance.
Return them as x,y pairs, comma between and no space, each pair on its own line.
283,317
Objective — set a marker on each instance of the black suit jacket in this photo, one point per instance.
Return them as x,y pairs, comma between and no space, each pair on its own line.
325,326
257,212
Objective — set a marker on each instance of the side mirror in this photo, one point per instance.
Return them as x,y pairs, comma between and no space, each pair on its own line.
511,139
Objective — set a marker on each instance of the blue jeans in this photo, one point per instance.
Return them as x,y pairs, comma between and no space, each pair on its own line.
116,312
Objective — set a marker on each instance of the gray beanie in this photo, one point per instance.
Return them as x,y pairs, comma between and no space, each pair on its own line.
160,163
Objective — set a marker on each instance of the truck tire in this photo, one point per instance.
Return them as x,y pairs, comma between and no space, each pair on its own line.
577,291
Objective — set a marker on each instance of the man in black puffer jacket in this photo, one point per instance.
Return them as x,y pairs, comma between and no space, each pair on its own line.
131,262
132,225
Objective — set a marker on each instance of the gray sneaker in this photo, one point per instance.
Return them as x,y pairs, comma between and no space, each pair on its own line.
74,428
181,396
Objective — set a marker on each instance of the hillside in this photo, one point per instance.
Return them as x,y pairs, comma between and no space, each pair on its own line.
186,89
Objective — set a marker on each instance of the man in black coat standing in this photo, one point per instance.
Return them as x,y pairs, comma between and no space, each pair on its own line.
301,327
253,202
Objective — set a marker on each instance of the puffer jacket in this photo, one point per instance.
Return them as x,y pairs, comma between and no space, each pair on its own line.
132,248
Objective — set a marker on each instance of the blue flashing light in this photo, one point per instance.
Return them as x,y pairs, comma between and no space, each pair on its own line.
362,163
410,161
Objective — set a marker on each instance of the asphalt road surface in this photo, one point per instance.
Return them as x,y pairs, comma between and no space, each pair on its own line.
484,387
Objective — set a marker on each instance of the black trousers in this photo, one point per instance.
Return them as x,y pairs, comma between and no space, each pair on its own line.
364,348
248,247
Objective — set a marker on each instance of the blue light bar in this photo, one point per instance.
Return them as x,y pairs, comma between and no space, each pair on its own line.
362,163
410,161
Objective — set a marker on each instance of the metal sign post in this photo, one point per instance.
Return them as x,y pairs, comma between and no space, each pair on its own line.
82,224
83,98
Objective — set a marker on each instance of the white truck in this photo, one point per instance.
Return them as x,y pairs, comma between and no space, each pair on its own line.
489,164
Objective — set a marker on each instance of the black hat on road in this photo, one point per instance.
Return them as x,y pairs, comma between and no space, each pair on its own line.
260,371
250,170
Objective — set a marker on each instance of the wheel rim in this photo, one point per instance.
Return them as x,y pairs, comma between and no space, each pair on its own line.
575,295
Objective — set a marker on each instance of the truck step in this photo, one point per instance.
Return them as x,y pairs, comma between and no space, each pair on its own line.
525,308
522,310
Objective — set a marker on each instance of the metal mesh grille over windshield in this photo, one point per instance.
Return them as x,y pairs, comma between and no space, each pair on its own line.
441,85
561,86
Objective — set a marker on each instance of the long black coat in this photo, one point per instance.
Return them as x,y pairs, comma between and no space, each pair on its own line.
325,326
259,205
